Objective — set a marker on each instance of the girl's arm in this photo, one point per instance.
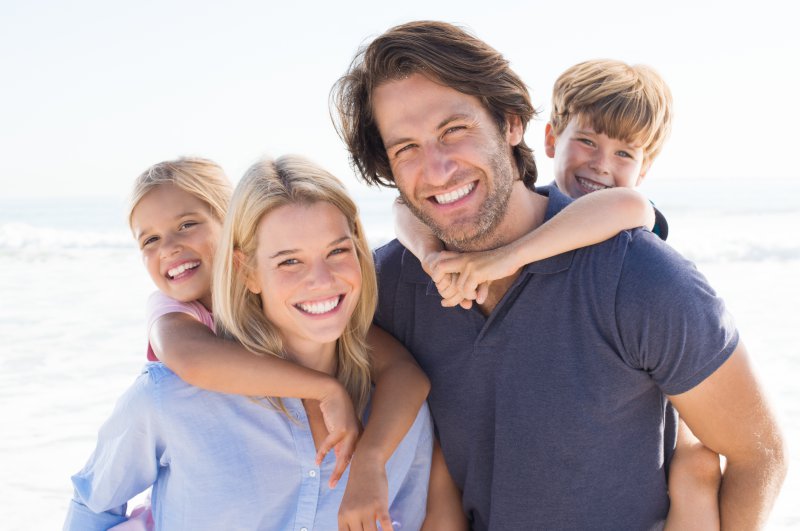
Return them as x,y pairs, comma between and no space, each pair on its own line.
444,512
400,390
590,219
193,352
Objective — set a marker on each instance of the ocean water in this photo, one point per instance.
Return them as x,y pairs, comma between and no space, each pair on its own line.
72,320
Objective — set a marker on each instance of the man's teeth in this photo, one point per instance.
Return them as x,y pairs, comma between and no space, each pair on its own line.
455,195
591,184
175,271
318,308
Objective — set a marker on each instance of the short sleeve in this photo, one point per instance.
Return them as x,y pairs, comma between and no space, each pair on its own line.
159,305
671,322
124,463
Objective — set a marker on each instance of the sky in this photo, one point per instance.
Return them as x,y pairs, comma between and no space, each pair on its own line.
93,92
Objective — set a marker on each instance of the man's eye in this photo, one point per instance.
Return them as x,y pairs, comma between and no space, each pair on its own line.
455,129
404,149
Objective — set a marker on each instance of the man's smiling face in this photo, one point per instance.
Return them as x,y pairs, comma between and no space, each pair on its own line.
451,163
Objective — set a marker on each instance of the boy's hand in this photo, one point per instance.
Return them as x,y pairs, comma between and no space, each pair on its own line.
343,429
366,498
471,273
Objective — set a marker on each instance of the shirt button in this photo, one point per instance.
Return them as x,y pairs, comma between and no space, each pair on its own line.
303,529
313,474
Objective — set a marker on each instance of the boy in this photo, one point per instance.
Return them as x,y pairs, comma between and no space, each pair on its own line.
608,123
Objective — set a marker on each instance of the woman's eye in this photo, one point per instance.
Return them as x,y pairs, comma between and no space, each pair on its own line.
289,262
340,250
148,241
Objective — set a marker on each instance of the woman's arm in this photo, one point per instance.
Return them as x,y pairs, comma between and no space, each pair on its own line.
591,219
400,390
444,512
193,352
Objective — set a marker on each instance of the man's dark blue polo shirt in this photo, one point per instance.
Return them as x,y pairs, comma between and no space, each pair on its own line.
550,411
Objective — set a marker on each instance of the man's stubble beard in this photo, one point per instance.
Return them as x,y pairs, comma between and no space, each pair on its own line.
479,233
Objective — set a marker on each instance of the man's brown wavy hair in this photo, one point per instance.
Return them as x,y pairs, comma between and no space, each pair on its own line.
443,53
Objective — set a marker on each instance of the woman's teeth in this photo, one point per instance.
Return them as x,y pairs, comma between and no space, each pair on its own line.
321,307
455,195
175,271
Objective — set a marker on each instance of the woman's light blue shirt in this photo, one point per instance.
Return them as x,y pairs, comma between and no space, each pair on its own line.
219,461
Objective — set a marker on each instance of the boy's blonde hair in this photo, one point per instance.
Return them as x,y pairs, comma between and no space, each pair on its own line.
238,312
628,102
202,178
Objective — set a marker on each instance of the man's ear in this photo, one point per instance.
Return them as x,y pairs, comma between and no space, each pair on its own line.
514,130
549,141
240,264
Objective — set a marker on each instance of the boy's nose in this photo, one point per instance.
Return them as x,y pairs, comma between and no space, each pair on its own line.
599,162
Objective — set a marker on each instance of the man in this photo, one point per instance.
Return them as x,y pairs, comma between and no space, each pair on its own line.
549,398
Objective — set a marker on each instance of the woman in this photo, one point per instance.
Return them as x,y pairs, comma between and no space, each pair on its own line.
293,278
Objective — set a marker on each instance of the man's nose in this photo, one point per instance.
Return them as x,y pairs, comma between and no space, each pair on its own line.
439,166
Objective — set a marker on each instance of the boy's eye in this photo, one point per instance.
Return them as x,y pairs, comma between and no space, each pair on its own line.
624,154
586,141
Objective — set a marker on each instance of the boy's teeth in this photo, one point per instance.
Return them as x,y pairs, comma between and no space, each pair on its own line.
318,308
455,195
592,185
175,271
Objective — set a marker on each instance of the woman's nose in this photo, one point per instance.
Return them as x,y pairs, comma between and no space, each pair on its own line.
320,274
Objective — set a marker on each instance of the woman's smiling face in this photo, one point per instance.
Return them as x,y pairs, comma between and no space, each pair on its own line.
307,273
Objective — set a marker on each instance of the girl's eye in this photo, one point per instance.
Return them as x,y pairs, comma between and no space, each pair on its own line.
149,240
187,225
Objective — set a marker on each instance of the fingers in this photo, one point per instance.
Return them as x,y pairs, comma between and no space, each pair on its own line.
344,454
327,445
482,293
385,521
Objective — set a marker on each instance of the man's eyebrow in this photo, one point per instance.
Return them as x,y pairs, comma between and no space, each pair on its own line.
452,118
292,251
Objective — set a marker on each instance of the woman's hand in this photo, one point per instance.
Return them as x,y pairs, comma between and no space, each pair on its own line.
343,429
366,498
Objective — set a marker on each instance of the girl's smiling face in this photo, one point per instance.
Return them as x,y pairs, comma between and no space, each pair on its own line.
177,235
307,273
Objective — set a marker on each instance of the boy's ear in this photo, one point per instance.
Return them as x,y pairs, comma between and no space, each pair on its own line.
240,264
514,131
643,172
549,141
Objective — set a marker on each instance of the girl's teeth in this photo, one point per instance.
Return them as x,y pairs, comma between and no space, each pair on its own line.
175,271
318,308
455,195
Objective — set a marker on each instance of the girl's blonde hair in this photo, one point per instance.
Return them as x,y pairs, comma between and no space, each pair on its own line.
199,177
238,312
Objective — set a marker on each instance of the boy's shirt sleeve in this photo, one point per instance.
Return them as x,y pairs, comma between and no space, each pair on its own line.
124,463
661,227
159,305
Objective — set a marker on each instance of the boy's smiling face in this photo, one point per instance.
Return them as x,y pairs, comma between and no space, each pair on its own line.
585,161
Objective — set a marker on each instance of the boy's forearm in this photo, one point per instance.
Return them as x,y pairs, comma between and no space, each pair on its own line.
589,220
204,360
413,234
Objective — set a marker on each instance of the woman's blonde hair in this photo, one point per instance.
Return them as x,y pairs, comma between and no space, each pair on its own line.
267,185
202,178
